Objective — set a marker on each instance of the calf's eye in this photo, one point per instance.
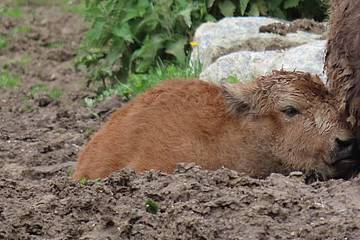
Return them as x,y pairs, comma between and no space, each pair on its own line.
290,111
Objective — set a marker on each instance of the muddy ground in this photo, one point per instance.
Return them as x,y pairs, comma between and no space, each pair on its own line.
40,136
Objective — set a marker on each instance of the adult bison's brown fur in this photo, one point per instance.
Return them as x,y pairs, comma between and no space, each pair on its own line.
342,61
277,123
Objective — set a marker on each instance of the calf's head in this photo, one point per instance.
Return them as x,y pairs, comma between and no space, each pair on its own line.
296,121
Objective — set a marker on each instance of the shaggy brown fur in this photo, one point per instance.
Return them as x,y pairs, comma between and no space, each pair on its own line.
277,123
343,57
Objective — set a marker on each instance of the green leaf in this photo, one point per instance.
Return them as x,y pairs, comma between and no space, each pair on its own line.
233,79
96,35
254,10
273,4
142,5
136,11
278,13
243,6
291,3
115,51
152,206
3,42
210,18
131,14
165,3
148,24
176,49
186,15
123,31
147,53
227,8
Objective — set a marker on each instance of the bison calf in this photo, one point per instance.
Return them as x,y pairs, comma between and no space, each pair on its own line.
282,122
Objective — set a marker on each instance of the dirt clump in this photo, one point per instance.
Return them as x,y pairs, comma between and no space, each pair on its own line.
192,204
292,27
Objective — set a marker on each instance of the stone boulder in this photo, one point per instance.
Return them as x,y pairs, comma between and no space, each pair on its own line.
236,47
246,65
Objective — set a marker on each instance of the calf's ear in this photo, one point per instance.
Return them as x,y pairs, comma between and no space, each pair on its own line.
238,97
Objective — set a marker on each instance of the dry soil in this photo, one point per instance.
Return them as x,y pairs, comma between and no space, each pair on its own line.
40,137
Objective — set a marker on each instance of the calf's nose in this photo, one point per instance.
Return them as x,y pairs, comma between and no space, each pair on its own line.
345,148
349,143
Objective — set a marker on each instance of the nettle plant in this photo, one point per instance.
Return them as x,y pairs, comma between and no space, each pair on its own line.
130,36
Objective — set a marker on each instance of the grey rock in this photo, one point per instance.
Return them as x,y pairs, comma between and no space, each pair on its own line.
247,65
242,34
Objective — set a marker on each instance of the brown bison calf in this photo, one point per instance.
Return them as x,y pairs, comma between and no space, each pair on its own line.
278,123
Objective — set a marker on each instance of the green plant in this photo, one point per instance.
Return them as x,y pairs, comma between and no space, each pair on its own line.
8,80
89,102
88,132
42,88
70,172
233,79
24,60
138,83
25,105
83,181
3,42
129,37
75,7
20,29
21,62
55,94
98,181
13,12
37,89
151,206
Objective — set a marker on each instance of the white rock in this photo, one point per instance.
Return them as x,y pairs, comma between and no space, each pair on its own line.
247,65
242,34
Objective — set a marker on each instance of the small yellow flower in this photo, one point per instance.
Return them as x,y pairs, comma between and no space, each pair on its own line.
194,44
